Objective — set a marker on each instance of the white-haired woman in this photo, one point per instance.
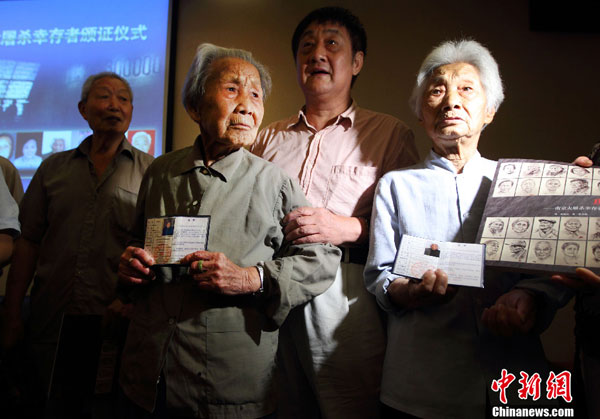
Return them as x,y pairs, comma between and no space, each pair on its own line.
443,349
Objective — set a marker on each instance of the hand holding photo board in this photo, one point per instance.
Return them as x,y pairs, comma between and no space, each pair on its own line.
542,216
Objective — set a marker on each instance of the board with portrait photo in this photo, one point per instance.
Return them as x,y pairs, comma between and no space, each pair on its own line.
542,217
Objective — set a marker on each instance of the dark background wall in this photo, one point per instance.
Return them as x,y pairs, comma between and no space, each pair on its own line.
551,107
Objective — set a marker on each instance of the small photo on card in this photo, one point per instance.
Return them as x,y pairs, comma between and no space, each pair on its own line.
592,258
531,169
495,227
519,227
505,187
514,250
555,170
528,187
570,252
573,228
578,186
493,248
509,170
542,252
552,186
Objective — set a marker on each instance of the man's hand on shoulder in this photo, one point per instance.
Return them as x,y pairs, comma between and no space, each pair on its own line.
319,225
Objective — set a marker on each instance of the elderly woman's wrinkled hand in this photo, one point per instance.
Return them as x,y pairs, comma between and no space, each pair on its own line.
585,279
213,271
433,289
514,313
134,266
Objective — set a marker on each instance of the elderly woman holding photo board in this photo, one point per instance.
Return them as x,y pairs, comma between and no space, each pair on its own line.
446,344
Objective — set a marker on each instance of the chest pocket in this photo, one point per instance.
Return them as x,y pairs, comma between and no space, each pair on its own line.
345,186
123,209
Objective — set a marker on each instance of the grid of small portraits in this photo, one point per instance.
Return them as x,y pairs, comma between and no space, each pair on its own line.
536,178
27,150
564,241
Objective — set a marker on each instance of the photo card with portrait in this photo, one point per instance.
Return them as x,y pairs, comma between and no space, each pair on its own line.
505,187
552,186
528,186
493,248
570,252
515,250
555,170
578,186
542,252
495,227
573,228
519,227
580,172
531,169
592,256
545,228
510,169
594,228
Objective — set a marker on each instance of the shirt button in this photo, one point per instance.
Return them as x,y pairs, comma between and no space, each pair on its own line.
194,203
171,320
204,171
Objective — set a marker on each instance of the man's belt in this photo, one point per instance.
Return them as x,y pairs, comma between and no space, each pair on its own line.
356,255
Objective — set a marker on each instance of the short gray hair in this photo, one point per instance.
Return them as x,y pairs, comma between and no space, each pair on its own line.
206,54
462,51
87,85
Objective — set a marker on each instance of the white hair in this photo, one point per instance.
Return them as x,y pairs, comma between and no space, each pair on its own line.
206,54
87,85
462,51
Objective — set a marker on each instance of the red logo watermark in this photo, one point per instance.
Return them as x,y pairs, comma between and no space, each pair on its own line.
557,385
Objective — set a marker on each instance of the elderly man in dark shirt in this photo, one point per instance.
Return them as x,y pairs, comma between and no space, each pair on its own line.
75,221
203,337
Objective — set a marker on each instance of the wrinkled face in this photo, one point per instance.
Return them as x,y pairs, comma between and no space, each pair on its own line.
579,171
597,253
553,184
454,105
505,186
579,184
520,226
30,148
108,107
543,250
555,170
231,109
517,247
528,185
546,225
496,225
5,147
491,247
325,62
571,250
509,169
572,225
58,145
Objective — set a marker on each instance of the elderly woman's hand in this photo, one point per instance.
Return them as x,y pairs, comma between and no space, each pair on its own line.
514,313
134,266
433,289
213,271
585,279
